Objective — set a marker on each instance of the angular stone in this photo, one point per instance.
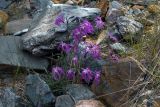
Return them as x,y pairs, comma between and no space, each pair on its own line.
7,98
128,26
43,35
4,3
118,47
12,54
114,12
64,101
38,91
116,5
79,92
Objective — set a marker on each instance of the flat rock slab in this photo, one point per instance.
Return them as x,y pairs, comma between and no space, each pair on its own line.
11,53
79,92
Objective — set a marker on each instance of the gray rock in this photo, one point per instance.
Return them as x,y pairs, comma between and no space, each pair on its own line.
116,5
38,91
43,35
17,25
114,12
118,47
64,101
7,98
39,4
79,92
12,54
128,26
4,4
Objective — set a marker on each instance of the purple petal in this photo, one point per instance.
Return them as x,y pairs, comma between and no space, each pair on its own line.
87,75
70,74
97,78
57,73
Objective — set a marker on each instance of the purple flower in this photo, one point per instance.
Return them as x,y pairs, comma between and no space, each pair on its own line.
75,60
114,57
77,35
93,50
112,38
97,78
87,75
70,74
57,73
86,27
65,47
59,20
99,23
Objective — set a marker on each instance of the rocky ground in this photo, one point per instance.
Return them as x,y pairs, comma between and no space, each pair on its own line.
28,40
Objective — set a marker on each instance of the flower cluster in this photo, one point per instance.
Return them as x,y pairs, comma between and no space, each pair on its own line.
86,74
58,73
84,29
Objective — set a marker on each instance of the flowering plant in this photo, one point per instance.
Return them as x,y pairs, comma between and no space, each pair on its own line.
75,57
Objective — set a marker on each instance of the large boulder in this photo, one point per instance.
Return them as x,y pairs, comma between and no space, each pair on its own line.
38,91
43,35
120,81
